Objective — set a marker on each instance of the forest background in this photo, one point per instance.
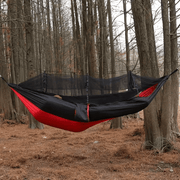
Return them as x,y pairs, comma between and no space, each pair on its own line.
100,37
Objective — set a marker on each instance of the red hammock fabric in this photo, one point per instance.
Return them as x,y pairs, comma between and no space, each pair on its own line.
55,121
148,91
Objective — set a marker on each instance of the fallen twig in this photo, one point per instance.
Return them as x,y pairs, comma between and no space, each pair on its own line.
161,169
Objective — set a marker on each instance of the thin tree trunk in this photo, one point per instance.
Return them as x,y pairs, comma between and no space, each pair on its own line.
44,37
136,115
30,55
113,71
21,54
40,35
126,38
166,100
49,43
103,65
85,33
91,54
74,37
15,68
117,122
36,39
62,37
80,63
174,65
5,92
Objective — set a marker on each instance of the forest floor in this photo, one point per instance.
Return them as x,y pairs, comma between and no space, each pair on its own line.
99,153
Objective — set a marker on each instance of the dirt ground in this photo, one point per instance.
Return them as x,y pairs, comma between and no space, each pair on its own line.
95,154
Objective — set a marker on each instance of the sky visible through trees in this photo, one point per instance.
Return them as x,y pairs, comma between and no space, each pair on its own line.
118,20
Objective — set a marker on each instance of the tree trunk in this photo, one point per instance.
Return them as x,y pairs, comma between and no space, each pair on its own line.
136,115
39,39
80,62
15,68
21,54
152,130
92,56
74,37
103,65
126,38
117,122
49,41
36,39
158,125
174,65
152,50
166,100
113,71
5,91
56,37
30,55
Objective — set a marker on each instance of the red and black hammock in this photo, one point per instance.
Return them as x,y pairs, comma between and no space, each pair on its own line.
85,101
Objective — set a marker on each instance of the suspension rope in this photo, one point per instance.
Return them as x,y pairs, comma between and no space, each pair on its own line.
3,79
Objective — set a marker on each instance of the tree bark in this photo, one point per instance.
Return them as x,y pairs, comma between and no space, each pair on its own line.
113,71
117,122
174,65
152,130
152,50
5,92
21,54
126,38
30,55
166,100
14,58
158,125
74,37
151,38
80,62
49,41
103,65
92,54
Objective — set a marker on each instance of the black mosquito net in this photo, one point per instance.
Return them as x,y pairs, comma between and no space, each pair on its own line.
84,88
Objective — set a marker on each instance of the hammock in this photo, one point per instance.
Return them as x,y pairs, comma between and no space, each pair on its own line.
75,103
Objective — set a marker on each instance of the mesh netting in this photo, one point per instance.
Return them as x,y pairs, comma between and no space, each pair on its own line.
74,85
